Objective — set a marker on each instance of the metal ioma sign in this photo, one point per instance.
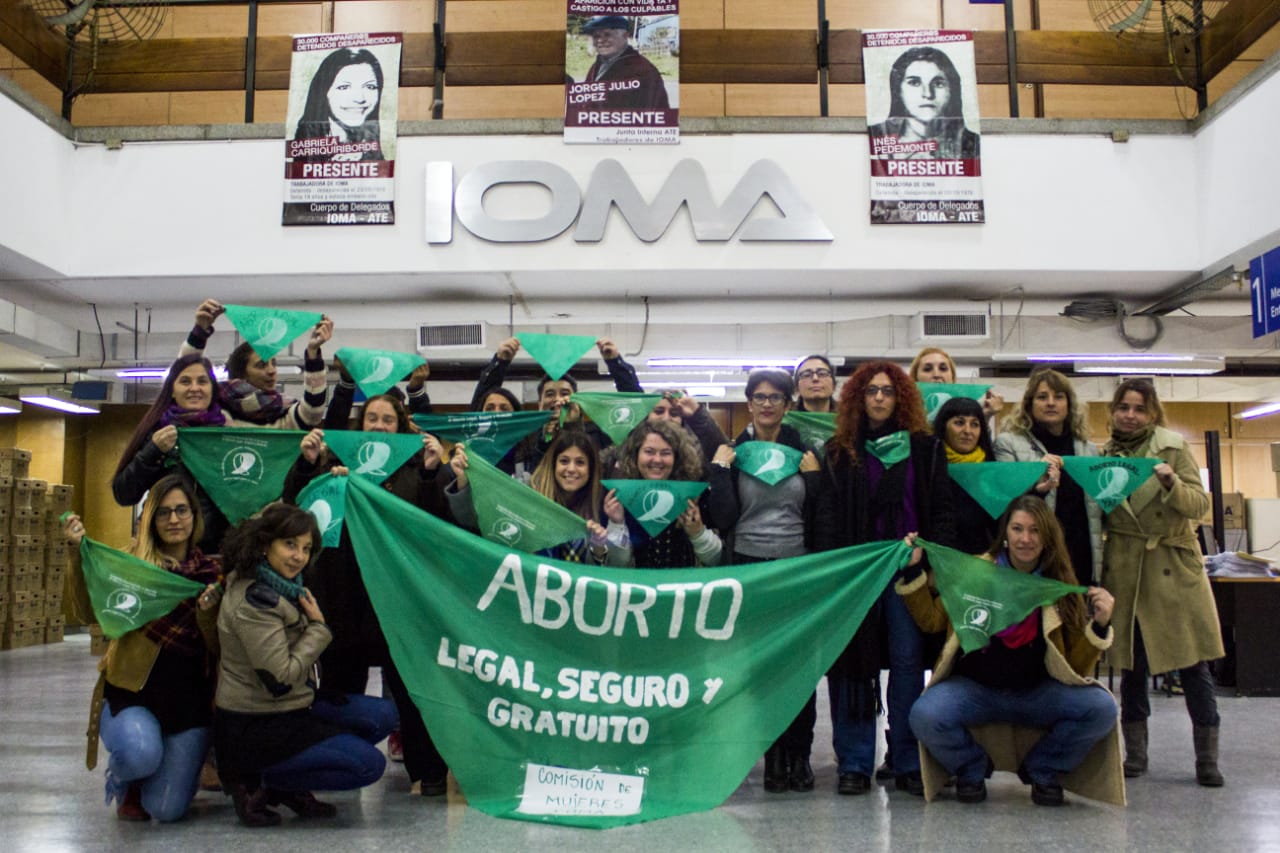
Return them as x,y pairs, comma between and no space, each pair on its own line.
587,211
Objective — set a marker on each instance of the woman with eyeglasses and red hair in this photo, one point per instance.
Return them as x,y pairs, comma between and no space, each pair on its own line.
885,476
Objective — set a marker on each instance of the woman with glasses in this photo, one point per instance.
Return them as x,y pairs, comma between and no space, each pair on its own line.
767,522
815,384
885,477
154,701
1051,423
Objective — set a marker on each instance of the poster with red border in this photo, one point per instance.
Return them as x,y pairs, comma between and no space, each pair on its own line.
922,126
340,129
622,72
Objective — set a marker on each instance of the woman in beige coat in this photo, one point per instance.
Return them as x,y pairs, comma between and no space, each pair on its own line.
1165,618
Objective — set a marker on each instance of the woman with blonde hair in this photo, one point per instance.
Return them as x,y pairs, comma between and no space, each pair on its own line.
1048,424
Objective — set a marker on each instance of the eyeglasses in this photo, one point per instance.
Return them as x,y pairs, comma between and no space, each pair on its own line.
888,391
767,399
820,373
181,512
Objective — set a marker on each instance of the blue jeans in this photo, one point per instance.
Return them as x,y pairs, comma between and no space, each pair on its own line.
1076,717
906,680
343,762
166,766
854,738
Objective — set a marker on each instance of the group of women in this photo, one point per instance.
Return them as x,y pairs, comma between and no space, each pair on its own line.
237,665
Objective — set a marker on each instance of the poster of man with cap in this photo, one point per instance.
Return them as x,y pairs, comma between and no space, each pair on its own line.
622,72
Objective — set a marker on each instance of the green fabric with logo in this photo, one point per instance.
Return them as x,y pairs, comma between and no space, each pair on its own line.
935,394
325,497
376,371
127,593
242,468
514,515
982,599
376,455
995,484
601,697
767,461
556,353
655,504
616,412
486,434
816,428
1109,480
269,330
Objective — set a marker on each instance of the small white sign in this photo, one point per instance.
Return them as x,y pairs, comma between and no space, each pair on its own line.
565,791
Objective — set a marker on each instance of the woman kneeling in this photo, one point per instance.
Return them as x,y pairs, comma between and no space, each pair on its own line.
1032,675
275,741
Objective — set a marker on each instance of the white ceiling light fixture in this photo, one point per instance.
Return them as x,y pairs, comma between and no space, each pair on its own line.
787,362
1189,366
1100,357
1259,411
10,406
58,398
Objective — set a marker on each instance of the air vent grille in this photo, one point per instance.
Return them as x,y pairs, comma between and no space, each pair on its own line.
450,336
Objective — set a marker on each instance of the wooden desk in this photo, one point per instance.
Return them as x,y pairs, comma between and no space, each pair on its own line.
1249,611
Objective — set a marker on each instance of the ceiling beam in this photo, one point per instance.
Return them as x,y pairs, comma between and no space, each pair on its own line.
26,36
1234,29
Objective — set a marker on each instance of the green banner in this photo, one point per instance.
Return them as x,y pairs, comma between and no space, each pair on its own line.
600,697
127,593
767,461
937,393
512,514
616,412
655,504
486,434
1110,479
325,497
994,484
814,427
376,371
376,455
556,353
269,330
242,468
982,598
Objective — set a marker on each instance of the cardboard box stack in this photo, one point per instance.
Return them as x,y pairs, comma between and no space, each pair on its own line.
33,557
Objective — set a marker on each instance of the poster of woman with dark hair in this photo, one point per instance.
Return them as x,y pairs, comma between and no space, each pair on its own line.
922,120
340,154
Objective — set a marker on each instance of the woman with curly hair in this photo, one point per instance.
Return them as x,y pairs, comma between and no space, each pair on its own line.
885,477
663,450
1050,423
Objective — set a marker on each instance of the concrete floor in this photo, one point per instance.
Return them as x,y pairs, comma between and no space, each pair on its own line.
50,802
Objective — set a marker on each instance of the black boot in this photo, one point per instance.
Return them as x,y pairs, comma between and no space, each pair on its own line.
800,773
776,779
301,803
251,806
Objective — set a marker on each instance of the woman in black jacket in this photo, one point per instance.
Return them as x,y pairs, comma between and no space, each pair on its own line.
885,477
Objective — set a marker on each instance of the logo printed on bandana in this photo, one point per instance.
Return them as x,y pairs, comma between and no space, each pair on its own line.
1113,481
977,618
323,514
507,531
776,460
373,455
379,369
658,506
271,332
124,602
934,402
621,413
243,463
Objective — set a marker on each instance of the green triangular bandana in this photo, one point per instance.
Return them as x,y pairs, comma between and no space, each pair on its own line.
269,330
377,370
616,412
556,353
512,514
325,497
892,448
982,598
531,672
814,427
1110,479
655,504
995,484
242,468
127,593
376,455
937,393
767,461
487,434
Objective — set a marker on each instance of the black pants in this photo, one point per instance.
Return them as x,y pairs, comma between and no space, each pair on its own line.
1197,686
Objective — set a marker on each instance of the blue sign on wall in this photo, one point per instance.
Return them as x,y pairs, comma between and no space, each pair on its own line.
1264,288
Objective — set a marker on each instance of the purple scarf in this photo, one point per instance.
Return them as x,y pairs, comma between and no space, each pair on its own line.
175,415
